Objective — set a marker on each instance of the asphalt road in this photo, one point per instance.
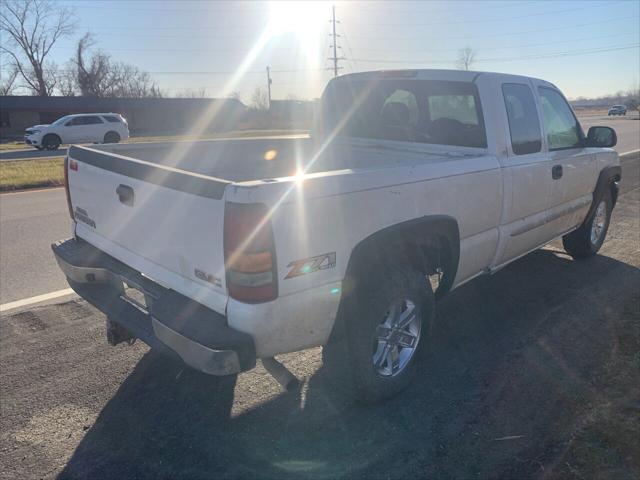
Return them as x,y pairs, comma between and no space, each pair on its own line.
532,373
627,129
31,153
29,222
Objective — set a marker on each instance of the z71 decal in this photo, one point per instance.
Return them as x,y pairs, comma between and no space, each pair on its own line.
311,264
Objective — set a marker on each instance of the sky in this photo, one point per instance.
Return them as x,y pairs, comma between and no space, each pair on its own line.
586,48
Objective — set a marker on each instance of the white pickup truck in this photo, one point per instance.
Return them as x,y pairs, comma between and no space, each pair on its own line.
412,183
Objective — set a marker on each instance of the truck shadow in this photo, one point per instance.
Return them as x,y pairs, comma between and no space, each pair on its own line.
511,356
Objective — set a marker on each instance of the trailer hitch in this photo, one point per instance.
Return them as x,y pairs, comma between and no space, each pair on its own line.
116,333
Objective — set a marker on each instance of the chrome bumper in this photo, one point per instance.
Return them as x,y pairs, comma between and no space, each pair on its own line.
153,325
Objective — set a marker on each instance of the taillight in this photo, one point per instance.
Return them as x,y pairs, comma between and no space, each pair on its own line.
250,258
73,165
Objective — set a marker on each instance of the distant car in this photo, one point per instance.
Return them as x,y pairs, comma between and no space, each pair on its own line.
618,110
79,128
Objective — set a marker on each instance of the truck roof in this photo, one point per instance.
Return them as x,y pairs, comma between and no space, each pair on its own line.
435,74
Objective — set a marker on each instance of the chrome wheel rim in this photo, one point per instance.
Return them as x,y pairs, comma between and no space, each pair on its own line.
396,338
599,220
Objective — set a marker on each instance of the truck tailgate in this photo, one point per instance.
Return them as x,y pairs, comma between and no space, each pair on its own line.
164,222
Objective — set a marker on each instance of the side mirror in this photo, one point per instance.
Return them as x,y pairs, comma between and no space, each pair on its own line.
603,137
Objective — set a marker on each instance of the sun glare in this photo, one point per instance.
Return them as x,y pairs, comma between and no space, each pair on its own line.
305,19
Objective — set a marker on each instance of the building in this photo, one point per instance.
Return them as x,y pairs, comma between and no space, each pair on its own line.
144,115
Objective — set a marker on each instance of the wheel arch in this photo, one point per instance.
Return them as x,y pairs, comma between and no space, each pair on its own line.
606,181
430,243
52,134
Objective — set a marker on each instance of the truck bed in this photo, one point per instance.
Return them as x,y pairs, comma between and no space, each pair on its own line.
232,160
243,160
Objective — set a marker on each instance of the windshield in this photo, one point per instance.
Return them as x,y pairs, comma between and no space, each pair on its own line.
62,120
424,111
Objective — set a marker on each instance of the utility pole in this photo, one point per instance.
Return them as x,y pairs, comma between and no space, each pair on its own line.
335,57
269,87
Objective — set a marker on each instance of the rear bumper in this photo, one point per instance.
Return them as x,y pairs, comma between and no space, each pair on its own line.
169,321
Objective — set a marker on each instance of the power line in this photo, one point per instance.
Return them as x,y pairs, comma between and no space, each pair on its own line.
477,20
508,59
521,32
507,47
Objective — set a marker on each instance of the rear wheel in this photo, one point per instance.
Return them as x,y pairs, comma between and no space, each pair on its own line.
111,137
587,240
51,142
389,316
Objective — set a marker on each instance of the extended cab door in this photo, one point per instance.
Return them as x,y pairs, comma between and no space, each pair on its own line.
573,167
527,174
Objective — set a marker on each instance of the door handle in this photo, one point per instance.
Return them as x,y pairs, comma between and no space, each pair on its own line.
126,194
556,172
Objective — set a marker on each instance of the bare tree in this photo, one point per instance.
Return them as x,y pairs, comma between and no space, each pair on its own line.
260,99
99,76
192,93
67,84
8,84
32,27
466,58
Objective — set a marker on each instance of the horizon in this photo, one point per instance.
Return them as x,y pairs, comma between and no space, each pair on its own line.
588,49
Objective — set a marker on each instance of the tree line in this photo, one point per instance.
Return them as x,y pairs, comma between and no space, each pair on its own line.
31,28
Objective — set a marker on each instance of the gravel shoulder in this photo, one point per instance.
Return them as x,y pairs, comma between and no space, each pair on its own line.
534,373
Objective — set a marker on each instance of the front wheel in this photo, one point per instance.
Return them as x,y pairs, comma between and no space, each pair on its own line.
51,142
587,240
389,319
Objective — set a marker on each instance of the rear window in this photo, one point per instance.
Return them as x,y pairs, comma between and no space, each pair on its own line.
422,111
111,119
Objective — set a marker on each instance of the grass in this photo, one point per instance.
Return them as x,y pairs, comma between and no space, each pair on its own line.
38,173
12,146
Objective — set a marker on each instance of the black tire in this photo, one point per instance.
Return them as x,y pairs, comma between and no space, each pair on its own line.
111,137
581,243
51,142
366,308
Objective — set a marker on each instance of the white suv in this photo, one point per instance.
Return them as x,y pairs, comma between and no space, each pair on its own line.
80,128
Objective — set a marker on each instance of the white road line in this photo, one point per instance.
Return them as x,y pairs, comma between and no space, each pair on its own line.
37,299
630,152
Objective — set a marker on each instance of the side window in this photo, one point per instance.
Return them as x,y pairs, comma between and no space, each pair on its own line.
563,130
92,120
74,122
524,124
111,119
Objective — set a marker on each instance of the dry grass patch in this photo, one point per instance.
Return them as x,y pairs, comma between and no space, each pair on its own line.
22,174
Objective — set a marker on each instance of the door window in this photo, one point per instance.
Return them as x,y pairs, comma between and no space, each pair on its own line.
524,124
563,130
74,122
91,120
